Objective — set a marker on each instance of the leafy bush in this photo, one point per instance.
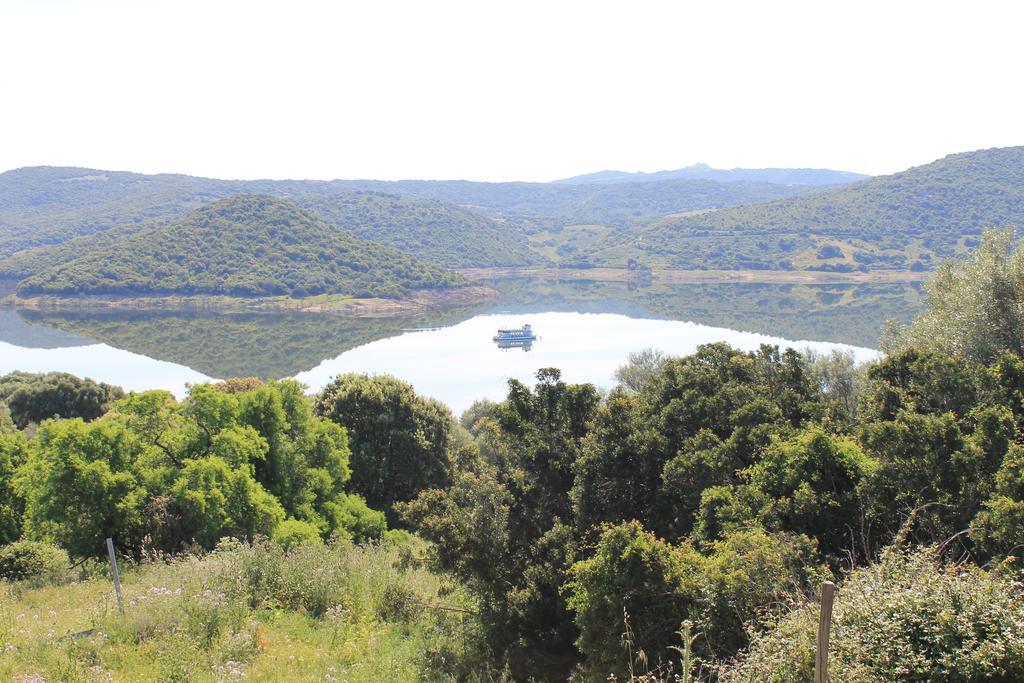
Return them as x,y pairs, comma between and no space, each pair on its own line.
291,533
352,517
908,617
32,560
658,585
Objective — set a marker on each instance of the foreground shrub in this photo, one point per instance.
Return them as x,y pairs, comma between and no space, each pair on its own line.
907,618
292,533
353,518
656,586
40,562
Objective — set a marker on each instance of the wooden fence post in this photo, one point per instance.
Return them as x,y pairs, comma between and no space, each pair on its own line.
117,577
828,592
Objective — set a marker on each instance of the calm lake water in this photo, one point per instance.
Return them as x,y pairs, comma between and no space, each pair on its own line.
586,329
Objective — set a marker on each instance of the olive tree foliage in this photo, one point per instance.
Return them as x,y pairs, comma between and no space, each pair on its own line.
640,368
975,306
838,375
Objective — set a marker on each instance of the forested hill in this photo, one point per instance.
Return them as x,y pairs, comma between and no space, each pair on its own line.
906,220
245,245
554,205
49,205
442,233
784,176
43,206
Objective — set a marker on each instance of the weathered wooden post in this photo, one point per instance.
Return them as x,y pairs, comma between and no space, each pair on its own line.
828,592
117,577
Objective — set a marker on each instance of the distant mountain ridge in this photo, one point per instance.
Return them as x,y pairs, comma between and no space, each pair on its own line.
907,220
904,221
245,245
780,176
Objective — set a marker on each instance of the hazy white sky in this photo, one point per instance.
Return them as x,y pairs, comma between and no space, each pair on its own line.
503,90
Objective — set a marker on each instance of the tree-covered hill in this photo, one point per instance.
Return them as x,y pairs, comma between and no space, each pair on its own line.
44,206
554,205
49,205
442,233
900,221
245,245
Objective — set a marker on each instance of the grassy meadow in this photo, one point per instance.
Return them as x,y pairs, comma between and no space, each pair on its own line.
334,612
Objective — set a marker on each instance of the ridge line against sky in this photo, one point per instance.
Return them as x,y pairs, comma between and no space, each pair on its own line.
531,91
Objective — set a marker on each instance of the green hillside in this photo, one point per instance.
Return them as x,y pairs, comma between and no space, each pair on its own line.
246,245
43,206
554,205
49,205
906,220
441,233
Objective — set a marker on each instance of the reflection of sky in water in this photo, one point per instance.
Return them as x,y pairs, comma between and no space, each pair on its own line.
102,363
460,364
455,364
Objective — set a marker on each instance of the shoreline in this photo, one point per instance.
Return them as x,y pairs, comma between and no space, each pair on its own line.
418,300
478,291
680,276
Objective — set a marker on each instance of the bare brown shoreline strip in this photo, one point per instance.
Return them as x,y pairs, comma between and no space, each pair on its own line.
416,301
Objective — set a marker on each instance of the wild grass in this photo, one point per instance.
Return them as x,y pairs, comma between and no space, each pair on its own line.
247,612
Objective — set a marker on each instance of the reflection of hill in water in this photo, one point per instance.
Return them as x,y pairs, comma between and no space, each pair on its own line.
283,344
846,313
268,345
14,330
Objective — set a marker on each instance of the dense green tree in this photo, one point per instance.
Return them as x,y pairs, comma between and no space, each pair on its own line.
230,460
214,500
32,397
505,529
632,574
810,484
13,453
80,486
655,585
694,424
400,442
